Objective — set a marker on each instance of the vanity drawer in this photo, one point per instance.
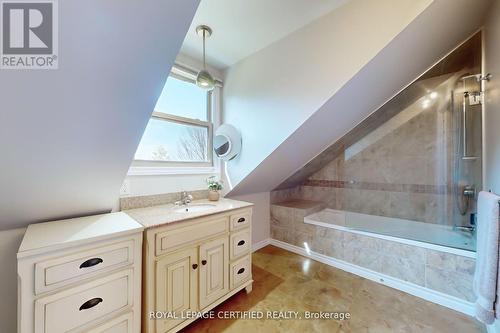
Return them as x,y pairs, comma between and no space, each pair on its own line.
240,243
241,271
121,324
85,304
241,219
54,273
175,238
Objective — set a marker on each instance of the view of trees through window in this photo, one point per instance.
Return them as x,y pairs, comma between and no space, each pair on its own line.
178,130
193,145
164,140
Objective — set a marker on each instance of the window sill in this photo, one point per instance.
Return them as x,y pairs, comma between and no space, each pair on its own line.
154,171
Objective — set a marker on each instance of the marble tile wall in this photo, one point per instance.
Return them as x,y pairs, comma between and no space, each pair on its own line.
401,174
403,171
444,272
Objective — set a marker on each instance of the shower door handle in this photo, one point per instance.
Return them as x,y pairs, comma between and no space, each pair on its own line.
465,153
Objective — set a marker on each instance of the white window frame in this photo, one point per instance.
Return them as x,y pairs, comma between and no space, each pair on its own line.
145,168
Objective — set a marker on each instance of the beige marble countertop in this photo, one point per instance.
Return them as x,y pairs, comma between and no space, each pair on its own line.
156,216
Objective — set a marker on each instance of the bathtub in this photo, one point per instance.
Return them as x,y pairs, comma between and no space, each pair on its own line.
427,235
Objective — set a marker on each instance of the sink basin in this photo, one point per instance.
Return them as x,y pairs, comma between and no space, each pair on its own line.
194,208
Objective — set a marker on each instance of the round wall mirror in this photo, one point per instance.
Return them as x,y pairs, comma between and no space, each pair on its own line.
227,142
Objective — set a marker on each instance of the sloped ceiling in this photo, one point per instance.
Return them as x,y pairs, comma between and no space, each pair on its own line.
274,147
68,136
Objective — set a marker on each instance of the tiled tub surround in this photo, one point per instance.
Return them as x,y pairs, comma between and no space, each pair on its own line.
403,169
443,272
400,170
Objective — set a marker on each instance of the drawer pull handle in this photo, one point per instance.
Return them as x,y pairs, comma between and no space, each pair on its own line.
90,303
241,270
91,262
195,266
203,262
241,242
241,219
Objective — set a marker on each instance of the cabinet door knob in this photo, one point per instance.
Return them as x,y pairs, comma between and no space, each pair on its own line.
90,303
203,262
241,270
195,266
241,242
91,262
241,219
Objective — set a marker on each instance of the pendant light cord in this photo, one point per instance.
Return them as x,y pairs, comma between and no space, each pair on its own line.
204,63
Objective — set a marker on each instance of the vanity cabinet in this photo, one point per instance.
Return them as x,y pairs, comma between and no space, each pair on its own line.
176,285
194,265
214,277
81,275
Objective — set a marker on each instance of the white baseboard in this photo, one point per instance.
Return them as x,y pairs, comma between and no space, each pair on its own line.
261,244
430,295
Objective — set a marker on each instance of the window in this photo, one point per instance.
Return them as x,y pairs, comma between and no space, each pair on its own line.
167,140
179,133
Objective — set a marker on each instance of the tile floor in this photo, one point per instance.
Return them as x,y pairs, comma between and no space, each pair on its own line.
284,281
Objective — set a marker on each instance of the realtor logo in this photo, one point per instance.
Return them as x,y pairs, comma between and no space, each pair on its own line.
28,34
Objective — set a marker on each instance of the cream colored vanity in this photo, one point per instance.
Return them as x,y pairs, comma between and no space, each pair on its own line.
193,261
81,275
84,274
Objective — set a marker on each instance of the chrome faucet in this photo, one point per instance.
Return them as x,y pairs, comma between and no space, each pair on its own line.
185,199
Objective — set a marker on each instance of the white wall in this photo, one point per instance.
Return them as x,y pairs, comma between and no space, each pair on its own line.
68,135
492,101
268,95
261,227
9,244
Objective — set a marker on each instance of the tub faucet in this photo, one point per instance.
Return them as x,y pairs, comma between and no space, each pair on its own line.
185,199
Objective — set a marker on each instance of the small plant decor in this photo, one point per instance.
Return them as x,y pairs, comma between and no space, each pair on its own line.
214,186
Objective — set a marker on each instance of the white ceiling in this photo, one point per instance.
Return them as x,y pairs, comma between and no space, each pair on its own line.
243,27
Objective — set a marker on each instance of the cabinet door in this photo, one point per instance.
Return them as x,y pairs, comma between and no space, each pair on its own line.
214,274
176,286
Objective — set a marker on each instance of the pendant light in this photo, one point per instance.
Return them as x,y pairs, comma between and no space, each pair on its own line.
204,80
